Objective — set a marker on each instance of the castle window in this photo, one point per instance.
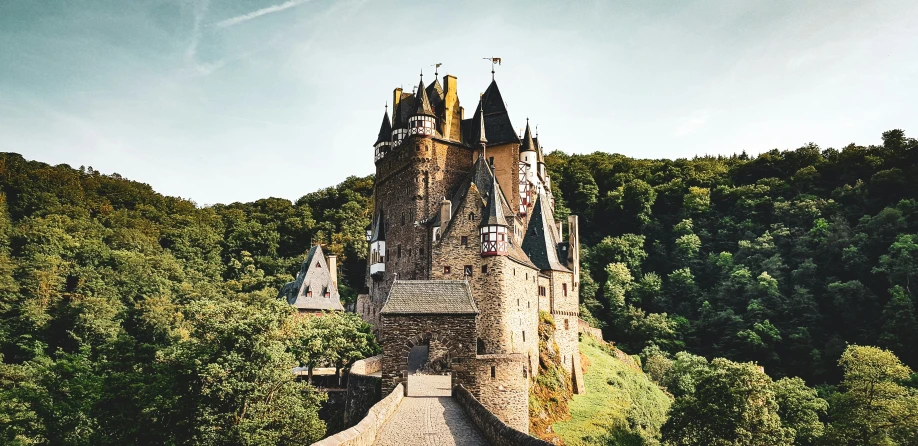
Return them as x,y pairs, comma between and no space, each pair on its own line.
566,326
481,347
398,252
403,219
464,240
471,216
417,148
564,289
318,265
484,269
468,270
527,304
446,270
517,302
493,372
524,336
491,161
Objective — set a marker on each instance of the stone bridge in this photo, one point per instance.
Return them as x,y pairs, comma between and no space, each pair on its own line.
429,416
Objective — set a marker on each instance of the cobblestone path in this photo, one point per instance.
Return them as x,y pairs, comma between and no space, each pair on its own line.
428,416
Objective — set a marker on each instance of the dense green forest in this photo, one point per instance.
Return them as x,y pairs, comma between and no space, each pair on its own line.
127,317
131,317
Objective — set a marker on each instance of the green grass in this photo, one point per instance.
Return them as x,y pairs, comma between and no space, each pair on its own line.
621,405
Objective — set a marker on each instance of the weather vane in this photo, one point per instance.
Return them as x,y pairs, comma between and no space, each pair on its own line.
436,69
494,61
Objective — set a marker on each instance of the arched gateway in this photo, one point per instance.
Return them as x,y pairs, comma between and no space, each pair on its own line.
433,315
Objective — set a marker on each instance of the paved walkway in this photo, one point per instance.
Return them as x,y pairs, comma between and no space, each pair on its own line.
428,416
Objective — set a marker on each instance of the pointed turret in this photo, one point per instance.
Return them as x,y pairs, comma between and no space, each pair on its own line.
423,101
528,144
493,227
385,129
384,140
482,138
423,121
493,213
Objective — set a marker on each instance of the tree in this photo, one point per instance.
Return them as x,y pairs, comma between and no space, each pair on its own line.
800,409
874,408
732,404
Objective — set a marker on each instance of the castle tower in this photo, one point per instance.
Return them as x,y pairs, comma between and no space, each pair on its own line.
384,140
465,205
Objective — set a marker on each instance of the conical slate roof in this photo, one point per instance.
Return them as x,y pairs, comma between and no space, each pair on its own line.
385,130
496,120
528,144
435,93
493,212
423,102
540,242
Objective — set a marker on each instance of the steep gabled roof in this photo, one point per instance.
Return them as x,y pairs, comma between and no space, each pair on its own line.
404,109
430,297
423,107
494,210
435,93
385,129
496,120
313,276
540,241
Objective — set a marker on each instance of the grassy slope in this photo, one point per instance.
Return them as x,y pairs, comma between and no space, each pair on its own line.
621,406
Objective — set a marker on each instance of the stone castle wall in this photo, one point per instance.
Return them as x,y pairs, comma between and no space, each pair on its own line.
496,431
503,388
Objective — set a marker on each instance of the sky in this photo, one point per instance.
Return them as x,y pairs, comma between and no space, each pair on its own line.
223,101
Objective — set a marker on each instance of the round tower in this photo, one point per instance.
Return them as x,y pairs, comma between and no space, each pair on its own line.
423,122
384,140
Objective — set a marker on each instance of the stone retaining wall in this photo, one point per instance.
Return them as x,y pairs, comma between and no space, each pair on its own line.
364,433
497,432
363,389
585,328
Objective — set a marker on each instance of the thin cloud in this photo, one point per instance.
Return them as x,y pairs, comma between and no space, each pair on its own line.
693,122
258,13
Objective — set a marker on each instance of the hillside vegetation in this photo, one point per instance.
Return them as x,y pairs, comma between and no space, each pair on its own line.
622,406
131,317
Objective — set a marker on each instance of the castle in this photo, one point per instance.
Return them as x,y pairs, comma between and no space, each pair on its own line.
315,288
465,251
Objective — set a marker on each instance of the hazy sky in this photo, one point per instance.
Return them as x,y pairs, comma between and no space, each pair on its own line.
222,101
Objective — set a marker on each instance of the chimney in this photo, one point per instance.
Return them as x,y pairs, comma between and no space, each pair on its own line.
451,108
396,98
333,269
573,257
446,210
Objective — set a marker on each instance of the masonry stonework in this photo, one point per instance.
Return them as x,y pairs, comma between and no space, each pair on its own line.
468,200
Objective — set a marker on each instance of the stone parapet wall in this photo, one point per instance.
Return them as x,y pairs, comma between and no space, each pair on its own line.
364,433
496,431
367,366
363,389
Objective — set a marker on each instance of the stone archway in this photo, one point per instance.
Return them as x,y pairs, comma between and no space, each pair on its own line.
450,341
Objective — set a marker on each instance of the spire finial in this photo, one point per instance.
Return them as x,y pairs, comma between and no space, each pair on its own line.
422,74
437,69
494,61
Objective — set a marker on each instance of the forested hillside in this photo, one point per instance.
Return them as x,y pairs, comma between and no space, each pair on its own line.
781,259
131,317
127,317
